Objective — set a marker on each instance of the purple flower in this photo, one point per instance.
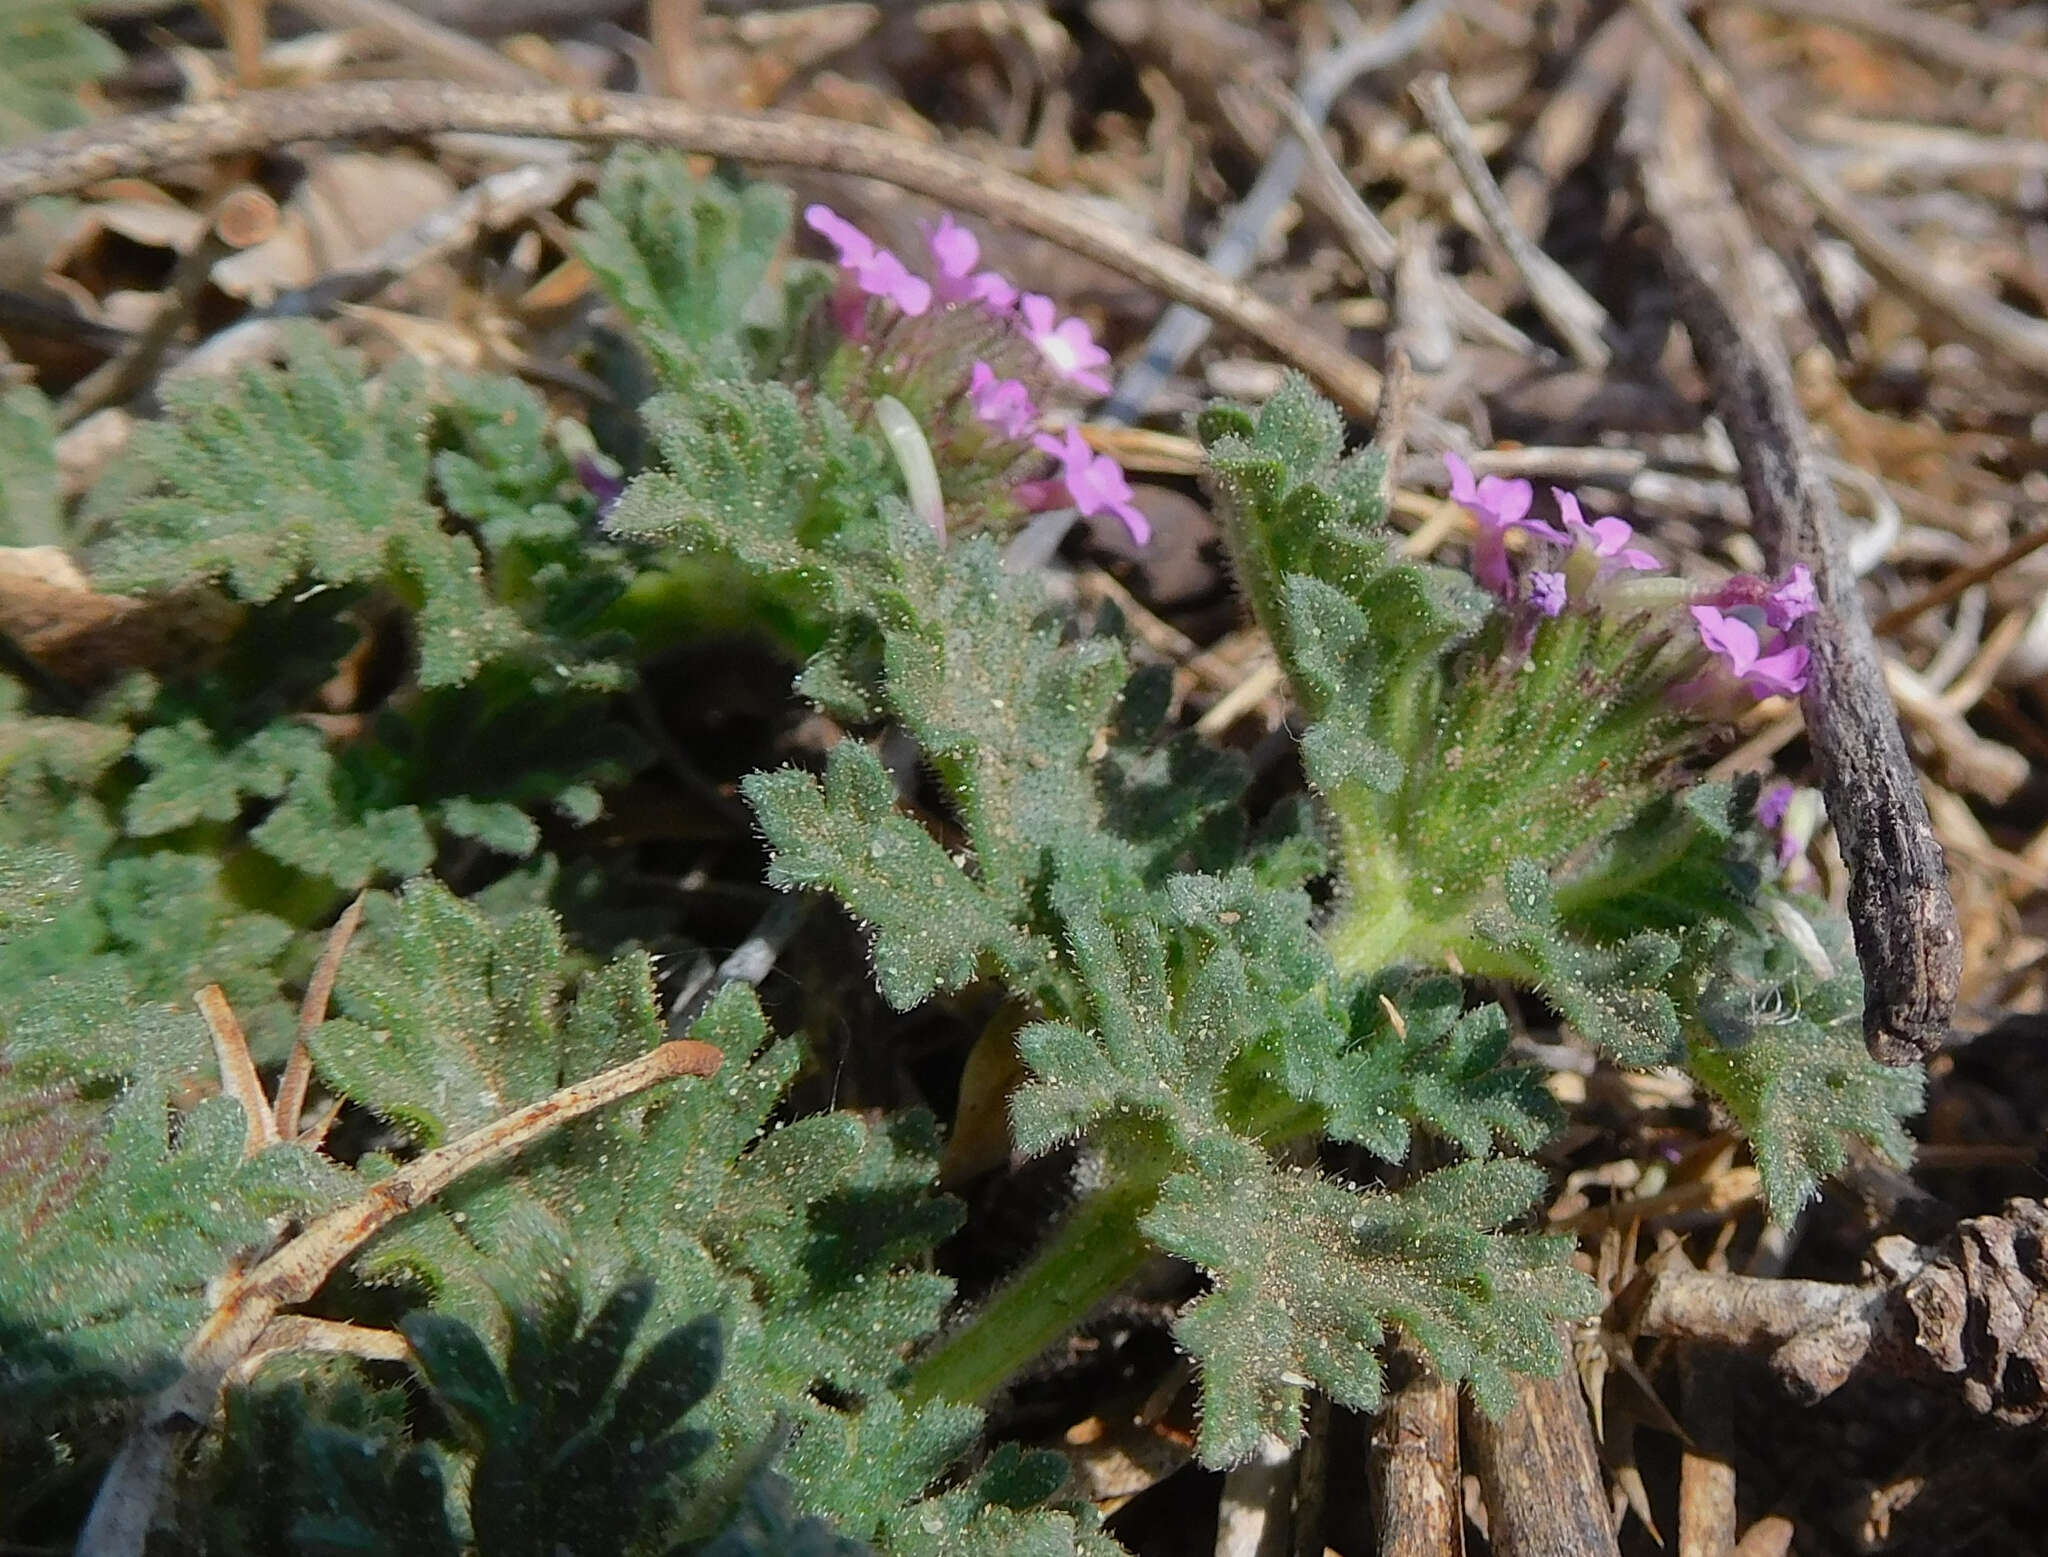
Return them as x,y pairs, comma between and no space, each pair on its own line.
1609,537
1792,816
955,253
1499,505
1793,599
875,271
1068,345
1773,803
1095,482
601,483
1780,672
1547,592
1003,403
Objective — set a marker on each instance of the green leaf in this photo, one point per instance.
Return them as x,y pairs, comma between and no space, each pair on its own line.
1415,1055
757,476
191,779
688,261
117,1215
1613,994
1180,984
1308,1273
307,473
803,1240
31,513
46,55
932,923
448,1021
1781,1045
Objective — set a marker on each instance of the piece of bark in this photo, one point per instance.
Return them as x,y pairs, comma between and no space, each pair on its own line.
1972,1311
1907,937
1982,1314
1416,1503
1818,1332
1540,1473
1706,1478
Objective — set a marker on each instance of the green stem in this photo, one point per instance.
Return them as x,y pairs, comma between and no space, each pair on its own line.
1096,1250
1095,1253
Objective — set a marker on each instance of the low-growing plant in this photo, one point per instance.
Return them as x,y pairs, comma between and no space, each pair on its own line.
699,1318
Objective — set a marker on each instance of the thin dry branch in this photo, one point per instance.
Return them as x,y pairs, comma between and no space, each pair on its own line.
298,1069
237,1069
122,376
1926,37
1907,937
290,1333
1707,1524
1960,580
1569,308
1182,329
1564,131
1989,323
145,143
125,1505
423,41
1377,251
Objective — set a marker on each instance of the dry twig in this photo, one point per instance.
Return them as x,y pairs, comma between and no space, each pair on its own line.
1963,578
1991,324
1569,309
1417,1501
1926,37
237,1069
423,41
125,1505
1377,251
1183,328
145,143
1566,128
298,1069
1706,1478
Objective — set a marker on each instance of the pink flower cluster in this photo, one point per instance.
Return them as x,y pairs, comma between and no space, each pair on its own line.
1094,483
872,271
1753,641
1090,482
1745,625
1498,505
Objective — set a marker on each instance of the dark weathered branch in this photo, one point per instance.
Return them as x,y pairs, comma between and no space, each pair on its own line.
1905,923
1417,1492
254,121
1540,1473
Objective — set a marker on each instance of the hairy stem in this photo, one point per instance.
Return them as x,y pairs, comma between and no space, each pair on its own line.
1094,1253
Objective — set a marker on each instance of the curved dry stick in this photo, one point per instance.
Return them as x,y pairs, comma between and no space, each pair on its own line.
125,1505
255,121
1907,936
